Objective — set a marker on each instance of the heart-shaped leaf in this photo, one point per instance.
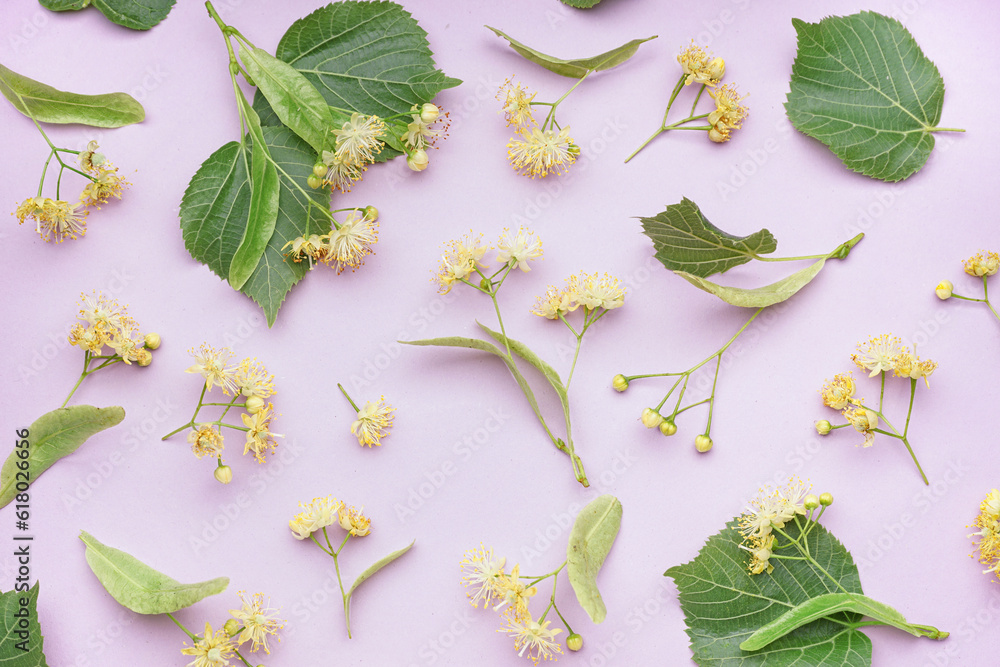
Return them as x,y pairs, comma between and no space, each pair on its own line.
21,643
590,541
862,86
134,14
575,67
139,587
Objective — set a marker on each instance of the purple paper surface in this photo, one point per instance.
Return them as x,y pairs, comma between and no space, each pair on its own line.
467,463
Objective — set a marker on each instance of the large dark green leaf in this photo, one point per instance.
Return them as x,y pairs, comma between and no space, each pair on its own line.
724,604
51,437
576,67
49,105
64,5
685,240
370,57
135,14
16,649
862,86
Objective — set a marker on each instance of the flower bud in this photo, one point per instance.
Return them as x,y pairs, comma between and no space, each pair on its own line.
319,170
651,418
716,69
144,357
703,443
574,642
573,149
668,427
224,474
231,627
254,404
619,382
314,181
486,284
811,501
826,499
429,112
417,160
716,136
944,289
371,213
823,427
152,341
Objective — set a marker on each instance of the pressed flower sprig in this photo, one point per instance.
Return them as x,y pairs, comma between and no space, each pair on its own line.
880,355
699,67
250,385
796,575
321,513
509,593
373,421
253,622
988,534
594,294
982,265
57,219
540,149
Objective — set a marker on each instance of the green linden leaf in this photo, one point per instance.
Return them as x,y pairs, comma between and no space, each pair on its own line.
52,436
759,297
64,5
724,604
21,645
576,67
862,86
590,541
215,212
135,14
139,587
46,104
685,240
581,4
370,57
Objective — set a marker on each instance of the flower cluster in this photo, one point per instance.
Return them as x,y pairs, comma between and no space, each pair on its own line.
594,292
487,581
981,265
253,622
767,515
988,523
346,246
105,323
463,257
880,356
728,115
535,150
700,67
326,511
58,219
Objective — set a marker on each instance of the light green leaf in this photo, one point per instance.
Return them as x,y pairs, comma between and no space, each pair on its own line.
370,57
12,642
135,14
724,604
264,190
581,4
64,5
523,351
590,541
862,86
139,587
49,105
51,437
759,297
685,240
576,67
294,100
375,567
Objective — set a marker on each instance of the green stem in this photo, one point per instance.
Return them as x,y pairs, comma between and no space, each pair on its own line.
943,129
696,98
663,123
86,362
550,118
572,368
711,403
191,636
193,417
895,433
344,392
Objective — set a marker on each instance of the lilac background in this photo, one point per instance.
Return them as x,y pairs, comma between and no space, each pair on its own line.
514,492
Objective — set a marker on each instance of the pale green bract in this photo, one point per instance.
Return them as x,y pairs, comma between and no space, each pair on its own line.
10,653
590,541
576,67
139,587
372,569
134,14
758,297
862,86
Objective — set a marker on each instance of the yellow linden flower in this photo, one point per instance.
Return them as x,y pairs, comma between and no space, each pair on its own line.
253,379
878,354
837,393
206,441
353,521
773,508
214,650
533,639
351,242
761,549
90,160
418,132
318,514
863,420
126,341
729,112
315,248
258,622
212,365
90,339
102,312
908,365
259,436
988,523
61,220
461,257
373,422
555,302
596,291
700,67
518,248
538,153
106,184
481,575
513,595
341,175
516,105
983,264
358,140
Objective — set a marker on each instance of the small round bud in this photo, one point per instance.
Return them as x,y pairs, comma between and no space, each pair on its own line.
811,501
823,427
254,404
619,382
944,289
826,499
231,627
152,341
371,213
668,428
651,418
703,443
486,284
143,357
716,68
224,474
417,160
429,112
574,642
314,181
319,169
716,136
